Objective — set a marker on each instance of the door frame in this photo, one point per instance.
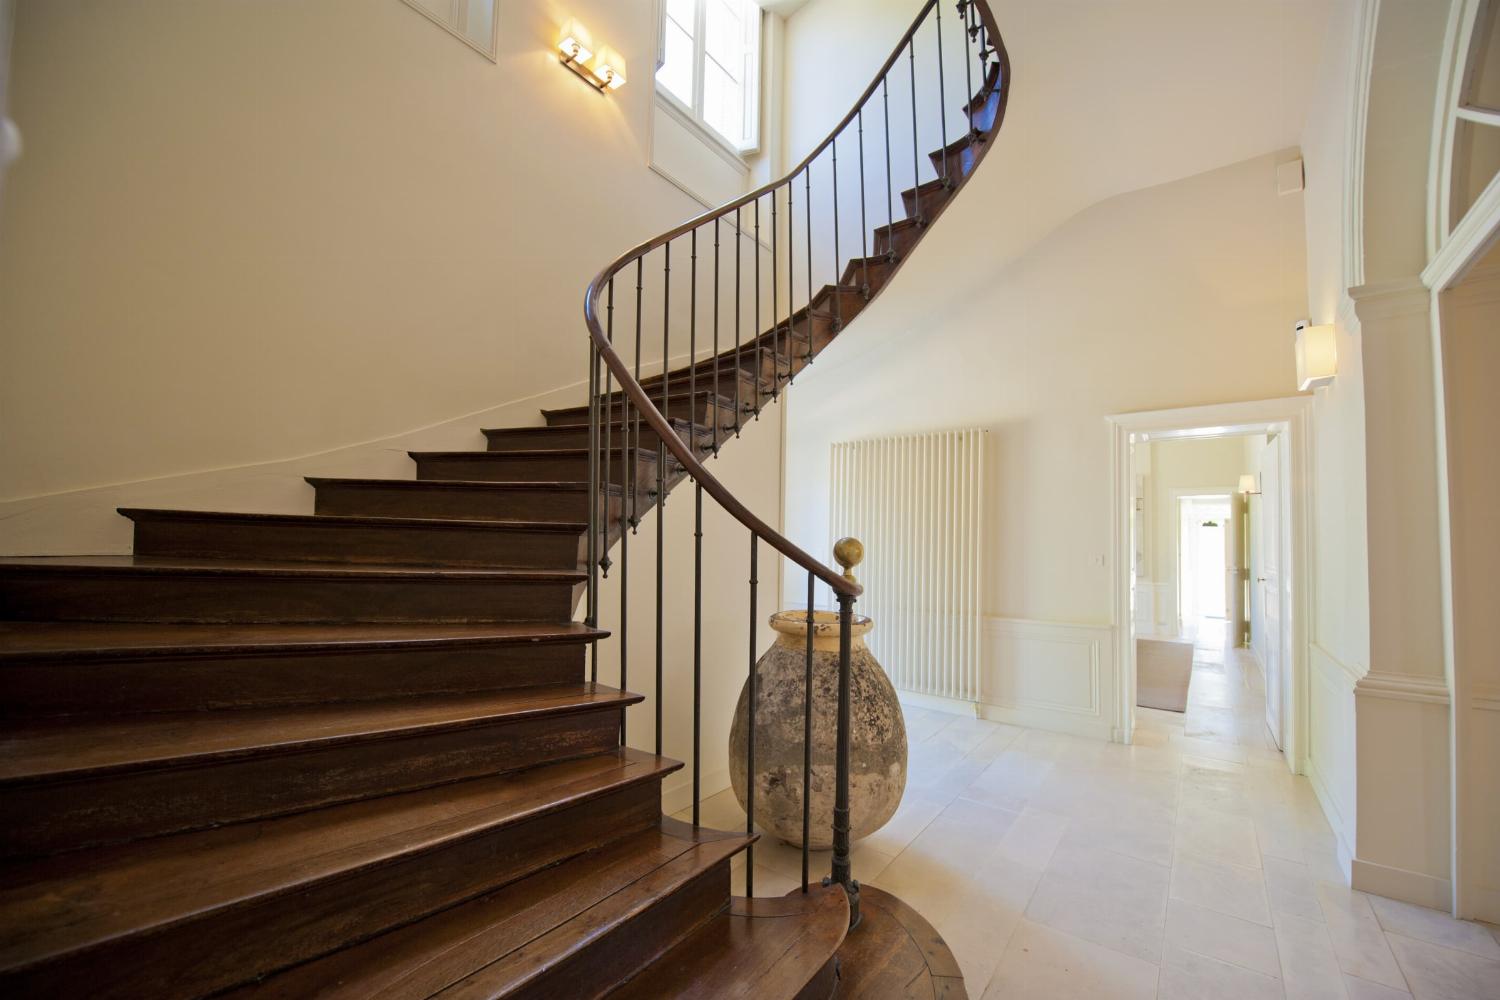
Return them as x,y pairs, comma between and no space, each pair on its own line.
1291,415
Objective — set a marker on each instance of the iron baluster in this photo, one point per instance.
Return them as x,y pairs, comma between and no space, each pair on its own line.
693,346
791,280
807,716
633,443
609,427
942,95
697,647
807,317
739,310
838,258
750,729
864,222
775,308
916,175
711,406
760,347
842,872
661,483
591,617
890,188
966,9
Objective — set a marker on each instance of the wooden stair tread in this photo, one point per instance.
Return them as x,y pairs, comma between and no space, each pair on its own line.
59,906
895,952
555,486
71,750
131,565
503,940
763,948
498,455
129,640
438,524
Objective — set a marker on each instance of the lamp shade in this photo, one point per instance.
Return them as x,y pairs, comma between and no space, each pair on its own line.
1317,355
609,67
1248,484
574,42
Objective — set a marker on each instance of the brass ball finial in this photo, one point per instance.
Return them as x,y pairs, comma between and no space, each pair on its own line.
848,553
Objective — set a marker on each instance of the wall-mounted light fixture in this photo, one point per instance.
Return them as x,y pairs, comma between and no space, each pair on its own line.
1248,486
600,67
1317,355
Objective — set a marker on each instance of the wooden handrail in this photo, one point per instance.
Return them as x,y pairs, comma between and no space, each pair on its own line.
654,418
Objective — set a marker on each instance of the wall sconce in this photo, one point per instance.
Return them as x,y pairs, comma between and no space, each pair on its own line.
601,68
1317,355
1248,485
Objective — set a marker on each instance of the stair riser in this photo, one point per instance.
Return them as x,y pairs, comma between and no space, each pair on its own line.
905,238
876,275
528,439
633,946
677,409
235,944
724,382
357,543
961,159
929,202
367,500
244,599
63,816
487,467
251,680
983,115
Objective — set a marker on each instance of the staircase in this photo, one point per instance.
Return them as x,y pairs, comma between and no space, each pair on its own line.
363,752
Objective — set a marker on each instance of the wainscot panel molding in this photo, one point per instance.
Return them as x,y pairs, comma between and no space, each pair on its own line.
1048,675
1331,756
1403,687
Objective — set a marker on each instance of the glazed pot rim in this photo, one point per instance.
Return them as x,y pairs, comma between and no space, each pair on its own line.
825,623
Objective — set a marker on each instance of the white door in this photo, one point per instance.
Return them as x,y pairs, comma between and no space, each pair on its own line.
1268,582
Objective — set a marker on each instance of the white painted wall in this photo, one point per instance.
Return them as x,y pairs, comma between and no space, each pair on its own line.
1191,287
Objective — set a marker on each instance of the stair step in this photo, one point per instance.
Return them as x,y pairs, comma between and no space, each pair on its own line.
610,435
769,949
323,537
701,410
899,237
194,913
962,155
927,199
462,500
984,108
876,270
142,589
90,668
80,783
535,465
571,931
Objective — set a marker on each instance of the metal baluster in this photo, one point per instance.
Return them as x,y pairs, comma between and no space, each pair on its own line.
791,280
916,175
775,308
591,616
609,426
842,872
750,729
697,647
760,348
633,442
942,94
807,717
693,349
807,316
661,483
739,266
624,574
864,222
890,189
711,407
966,8
838,258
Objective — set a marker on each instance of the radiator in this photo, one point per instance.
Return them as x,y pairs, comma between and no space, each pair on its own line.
916,502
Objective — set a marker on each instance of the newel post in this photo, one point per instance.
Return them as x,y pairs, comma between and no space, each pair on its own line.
848,552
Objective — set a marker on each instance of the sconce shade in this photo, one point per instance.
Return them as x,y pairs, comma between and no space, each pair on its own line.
574,42
609,67
1317,355
1248,484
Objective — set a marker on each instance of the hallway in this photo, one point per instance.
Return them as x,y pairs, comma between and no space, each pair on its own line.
1189,865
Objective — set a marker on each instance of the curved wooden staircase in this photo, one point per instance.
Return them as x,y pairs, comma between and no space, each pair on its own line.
356,753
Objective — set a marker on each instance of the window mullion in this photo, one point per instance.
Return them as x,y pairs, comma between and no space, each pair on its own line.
700,54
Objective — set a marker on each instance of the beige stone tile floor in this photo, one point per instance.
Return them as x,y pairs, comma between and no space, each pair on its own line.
1189,866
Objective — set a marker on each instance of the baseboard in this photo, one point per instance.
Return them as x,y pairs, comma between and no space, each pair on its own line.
677,790
1481,903
1054,722
1398,883
1335,818
937,703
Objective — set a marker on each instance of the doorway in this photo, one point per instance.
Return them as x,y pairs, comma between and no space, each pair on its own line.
1282,495
1203,540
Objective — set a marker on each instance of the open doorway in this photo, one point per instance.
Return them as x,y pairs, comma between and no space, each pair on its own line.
1209,572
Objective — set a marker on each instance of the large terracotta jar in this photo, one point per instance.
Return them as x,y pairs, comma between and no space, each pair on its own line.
877,750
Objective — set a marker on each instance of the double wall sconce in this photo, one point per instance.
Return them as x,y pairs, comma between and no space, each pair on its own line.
1317,355
600,67
1248,486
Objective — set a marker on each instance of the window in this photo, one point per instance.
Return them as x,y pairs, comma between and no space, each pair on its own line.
710,67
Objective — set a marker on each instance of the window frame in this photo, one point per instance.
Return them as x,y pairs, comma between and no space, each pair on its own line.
691,114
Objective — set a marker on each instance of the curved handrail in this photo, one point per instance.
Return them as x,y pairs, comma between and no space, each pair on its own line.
997,77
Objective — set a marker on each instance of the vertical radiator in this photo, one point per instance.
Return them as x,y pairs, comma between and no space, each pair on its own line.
917,503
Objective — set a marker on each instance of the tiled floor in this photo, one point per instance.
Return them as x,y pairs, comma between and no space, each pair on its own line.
1190,866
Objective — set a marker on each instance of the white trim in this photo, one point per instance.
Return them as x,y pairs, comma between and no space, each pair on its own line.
1398,883
492,53
1337,820
937,703
1403,687
1353,673
1294,412
1480,116
1177,495
1362,65
668,102
1470,240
